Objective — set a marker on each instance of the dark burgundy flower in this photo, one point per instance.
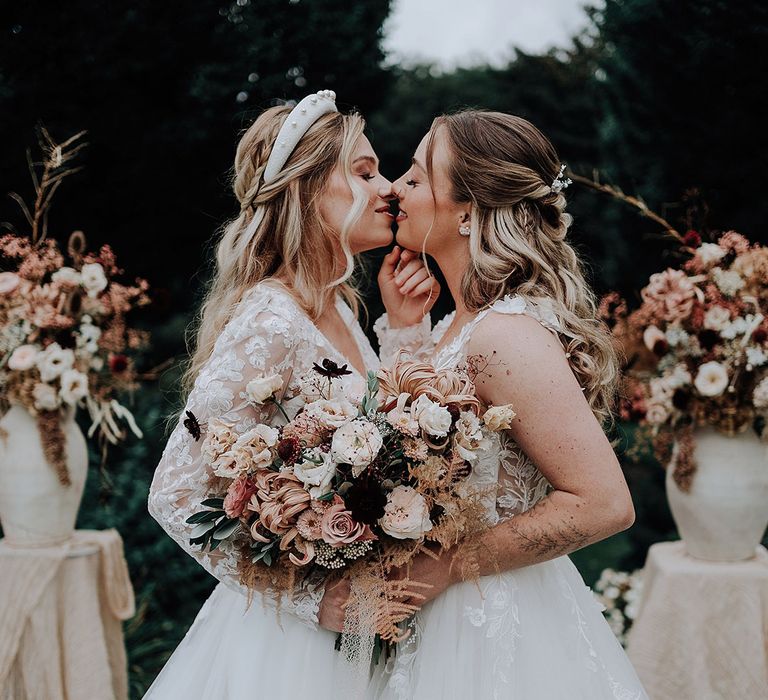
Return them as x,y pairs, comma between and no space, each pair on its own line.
760,335
365,500
708,338
681,399
692,239
436,513
118,363
289,450
660,347
330,369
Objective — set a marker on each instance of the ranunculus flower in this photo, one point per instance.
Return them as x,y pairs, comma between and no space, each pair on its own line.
331,413
469,439
74,386
259,389
338,527
46,398
316,471
400,417
712,379
67,276
433,418
53,361
499,417
8,282
93,278
238,495
406,515
254,448
23,358
356,443
217,444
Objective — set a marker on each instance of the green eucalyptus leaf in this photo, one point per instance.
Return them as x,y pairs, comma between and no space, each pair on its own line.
226,529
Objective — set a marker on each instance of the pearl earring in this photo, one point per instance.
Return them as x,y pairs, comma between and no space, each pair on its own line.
464,230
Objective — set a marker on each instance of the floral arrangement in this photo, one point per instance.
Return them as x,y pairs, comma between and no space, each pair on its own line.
348,488
64,338
619,593
698,347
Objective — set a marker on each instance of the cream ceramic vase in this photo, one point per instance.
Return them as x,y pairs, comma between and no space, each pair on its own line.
724,515
36,510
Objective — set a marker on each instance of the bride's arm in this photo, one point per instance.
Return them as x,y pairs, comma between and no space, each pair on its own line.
408,292
557,430
257,341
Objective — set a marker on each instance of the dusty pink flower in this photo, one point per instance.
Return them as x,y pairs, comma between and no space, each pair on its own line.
732,241
238,495
309,525
340,528
9,281
670,295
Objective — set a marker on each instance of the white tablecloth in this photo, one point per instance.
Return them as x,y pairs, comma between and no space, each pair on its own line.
61,609
701,631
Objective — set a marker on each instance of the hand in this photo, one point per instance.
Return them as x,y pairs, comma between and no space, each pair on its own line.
332,606
407,288
436,573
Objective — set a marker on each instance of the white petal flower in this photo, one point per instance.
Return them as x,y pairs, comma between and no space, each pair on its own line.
331,413
406,515
499,417
45,397
93,278
709,253
259,389
356,443
316,472
68,276
53,361
712,379
74,386
433,418
23,358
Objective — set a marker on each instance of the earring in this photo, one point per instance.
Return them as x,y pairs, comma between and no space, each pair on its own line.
464,230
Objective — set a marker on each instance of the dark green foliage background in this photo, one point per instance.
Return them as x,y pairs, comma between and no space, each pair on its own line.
662,96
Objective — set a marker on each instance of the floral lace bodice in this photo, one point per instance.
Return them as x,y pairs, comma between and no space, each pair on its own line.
520,484
268,333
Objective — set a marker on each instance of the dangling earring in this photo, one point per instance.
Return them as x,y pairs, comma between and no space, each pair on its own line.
464,230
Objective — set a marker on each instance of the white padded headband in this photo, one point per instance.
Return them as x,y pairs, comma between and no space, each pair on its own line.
303,116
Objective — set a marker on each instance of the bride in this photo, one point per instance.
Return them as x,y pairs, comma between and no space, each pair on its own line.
310,198
484,198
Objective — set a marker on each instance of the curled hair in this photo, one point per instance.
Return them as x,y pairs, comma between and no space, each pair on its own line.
504,167
279,231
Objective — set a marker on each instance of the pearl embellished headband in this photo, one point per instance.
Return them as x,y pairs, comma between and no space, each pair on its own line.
303,116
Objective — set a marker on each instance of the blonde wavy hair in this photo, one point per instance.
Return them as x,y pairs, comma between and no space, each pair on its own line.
504,166
279,232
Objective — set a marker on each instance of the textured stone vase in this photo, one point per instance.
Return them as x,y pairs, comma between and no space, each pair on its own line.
36,510
724,515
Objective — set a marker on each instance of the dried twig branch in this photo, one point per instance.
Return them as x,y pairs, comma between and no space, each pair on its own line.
635,202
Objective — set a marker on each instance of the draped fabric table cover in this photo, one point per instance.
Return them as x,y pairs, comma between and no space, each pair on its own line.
61,609
701,631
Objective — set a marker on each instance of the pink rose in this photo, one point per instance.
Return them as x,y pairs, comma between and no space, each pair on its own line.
670,295
238,495
339,527
8,282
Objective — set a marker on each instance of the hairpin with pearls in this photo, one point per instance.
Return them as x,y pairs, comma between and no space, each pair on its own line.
303,116
560,182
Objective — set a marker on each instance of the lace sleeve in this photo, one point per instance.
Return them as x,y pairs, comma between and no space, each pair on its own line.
415,340
262,337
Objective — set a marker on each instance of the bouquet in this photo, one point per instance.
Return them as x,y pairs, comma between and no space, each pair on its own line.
699,346
347,487
64,338
619,594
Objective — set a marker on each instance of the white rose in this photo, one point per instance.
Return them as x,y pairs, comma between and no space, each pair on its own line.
88,338
499,417
331,413
74,386
253,450
717,318
433,418
259,389
400,417
23,358
68,276
709,253
45,397
406,515
316,471
712,379
53,361
469,439
93,278
356,443
656,413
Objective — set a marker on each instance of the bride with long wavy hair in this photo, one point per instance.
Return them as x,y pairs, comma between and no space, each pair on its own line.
484,197
310,198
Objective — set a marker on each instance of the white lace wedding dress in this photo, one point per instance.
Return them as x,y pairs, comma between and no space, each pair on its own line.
232,651
534,633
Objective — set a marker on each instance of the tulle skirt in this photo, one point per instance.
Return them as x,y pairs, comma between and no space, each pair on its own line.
535,633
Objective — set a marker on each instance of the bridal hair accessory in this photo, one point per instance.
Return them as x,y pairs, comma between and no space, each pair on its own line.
560,182
303,116
464,230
